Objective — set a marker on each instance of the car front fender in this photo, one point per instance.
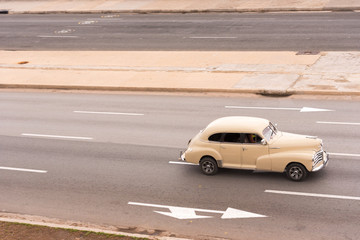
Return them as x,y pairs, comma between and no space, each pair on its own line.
280,160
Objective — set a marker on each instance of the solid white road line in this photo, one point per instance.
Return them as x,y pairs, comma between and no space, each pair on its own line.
54,136
314,195
182,163
23,170
345,154
339,123
111,113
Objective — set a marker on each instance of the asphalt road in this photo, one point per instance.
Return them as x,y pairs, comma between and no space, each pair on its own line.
113,159
230,32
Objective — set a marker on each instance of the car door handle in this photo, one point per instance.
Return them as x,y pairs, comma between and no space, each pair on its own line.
222,147
244,148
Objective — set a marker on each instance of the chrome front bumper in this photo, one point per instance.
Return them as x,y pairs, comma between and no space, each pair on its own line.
323,163
182,156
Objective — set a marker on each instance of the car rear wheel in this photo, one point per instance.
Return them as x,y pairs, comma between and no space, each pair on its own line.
296,172
208,166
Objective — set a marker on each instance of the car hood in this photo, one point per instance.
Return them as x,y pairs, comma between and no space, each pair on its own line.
285,140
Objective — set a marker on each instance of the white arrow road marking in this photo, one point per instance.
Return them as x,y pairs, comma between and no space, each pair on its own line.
304,109
54,136
339,123
313,195
182,213
308,109
190,213
111,113
236,213
23,170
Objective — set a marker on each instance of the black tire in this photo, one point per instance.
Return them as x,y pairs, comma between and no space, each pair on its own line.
208,166
296,172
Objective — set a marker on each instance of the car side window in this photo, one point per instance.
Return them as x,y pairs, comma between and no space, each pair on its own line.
232,137
215,137
252,138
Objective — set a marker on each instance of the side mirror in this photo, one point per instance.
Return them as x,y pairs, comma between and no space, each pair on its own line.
263,141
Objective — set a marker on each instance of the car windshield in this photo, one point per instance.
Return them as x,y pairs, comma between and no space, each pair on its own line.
269,132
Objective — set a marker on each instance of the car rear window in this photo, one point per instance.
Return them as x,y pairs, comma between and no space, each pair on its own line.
215,137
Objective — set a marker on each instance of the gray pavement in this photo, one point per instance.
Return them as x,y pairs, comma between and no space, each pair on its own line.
183,6
275,73
125,158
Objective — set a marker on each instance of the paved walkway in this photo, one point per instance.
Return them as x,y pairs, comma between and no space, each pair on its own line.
276,73
148,6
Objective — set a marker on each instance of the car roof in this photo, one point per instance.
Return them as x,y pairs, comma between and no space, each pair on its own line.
236,124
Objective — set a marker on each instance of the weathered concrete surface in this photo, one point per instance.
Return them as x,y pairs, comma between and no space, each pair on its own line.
279,73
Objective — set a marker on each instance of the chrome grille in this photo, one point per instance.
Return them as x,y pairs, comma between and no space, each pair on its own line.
318,156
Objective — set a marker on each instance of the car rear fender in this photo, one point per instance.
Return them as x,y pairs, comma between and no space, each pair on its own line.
213,154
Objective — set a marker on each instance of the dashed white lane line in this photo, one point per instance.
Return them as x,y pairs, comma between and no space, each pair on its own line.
111,113
345,154
339,123
55,136
182,163
58,36
302,110
23,170
313,195
212,37
87,22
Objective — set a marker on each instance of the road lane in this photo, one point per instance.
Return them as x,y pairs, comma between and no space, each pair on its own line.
95,181
128,161
53,114
324,31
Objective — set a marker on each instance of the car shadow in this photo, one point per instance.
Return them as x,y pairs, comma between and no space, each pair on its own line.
251,175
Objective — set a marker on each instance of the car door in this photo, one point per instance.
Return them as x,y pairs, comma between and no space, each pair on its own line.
253,151
230,150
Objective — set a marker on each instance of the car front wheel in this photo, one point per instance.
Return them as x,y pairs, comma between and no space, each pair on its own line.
296,172
208,166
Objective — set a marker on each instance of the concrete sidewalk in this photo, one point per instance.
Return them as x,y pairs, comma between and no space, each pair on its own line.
172,6
273,73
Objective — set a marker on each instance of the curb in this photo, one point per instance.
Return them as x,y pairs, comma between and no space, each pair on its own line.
263,92
157,11
87,229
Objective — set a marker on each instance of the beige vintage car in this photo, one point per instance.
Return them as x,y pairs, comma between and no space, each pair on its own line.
256,144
